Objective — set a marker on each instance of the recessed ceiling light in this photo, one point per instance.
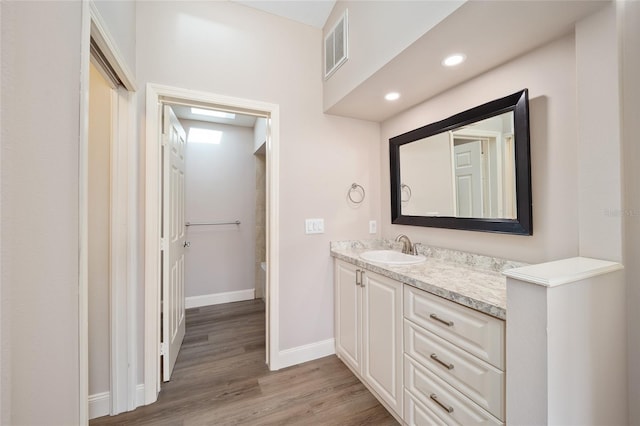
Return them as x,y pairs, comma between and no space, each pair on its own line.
212,113
392,96
453,60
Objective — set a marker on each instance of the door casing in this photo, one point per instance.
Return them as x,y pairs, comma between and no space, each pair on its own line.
157,95
123,341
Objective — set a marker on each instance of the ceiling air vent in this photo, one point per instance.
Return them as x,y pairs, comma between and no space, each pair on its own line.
335,46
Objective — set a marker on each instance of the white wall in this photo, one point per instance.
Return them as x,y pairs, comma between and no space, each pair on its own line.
40,139
229,49
598,100
378,31
219,187
120,18
99,231
630,67
549,74
259,133
428,161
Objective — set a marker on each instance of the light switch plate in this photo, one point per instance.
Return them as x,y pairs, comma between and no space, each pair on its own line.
373,227
314,226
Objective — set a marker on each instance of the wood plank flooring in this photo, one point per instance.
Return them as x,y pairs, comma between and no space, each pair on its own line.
221,378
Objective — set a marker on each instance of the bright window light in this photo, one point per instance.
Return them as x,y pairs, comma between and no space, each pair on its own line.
212,113
453,60
198,135
392,96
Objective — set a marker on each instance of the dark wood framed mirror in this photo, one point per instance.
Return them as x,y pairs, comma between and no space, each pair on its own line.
471,171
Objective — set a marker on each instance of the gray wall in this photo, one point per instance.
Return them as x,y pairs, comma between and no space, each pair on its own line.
549,74
40,140
631,195
120,18
182,43
220,186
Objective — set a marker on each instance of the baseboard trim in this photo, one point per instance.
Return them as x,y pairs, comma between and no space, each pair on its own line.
300,354
99,405
140,395
218,298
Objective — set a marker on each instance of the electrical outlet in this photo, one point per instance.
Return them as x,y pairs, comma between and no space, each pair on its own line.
314,226
373,227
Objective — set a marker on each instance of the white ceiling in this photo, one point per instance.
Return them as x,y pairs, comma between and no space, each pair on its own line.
490,33
310,12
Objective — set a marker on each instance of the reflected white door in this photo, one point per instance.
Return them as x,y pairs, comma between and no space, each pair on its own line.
173,234
468,178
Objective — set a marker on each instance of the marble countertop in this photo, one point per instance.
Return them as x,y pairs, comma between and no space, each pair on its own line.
469,279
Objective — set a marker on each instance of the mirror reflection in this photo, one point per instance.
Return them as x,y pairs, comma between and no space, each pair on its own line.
473,166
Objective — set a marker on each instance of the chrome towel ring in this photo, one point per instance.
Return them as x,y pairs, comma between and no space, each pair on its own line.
405,189
358,189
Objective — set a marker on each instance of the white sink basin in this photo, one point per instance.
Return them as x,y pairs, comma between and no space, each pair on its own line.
391,257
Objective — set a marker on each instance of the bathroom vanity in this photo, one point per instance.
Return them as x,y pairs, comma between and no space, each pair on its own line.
428,339
431,339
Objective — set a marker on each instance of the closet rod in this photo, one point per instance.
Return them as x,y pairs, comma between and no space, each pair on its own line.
235,222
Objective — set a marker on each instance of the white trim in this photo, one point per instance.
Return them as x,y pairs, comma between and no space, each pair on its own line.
300,354
140,395
156,93
122,256
219,298
152,250
99,404
109,48
123,230
130,129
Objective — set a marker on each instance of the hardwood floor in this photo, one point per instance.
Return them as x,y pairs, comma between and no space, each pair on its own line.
220,378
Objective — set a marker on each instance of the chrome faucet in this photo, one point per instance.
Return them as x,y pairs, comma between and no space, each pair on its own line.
407,247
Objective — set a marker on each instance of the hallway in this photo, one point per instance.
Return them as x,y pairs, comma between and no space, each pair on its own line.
220,378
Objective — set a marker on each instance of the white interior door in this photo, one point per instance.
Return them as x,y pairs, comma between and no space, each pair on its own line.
468,178
173,238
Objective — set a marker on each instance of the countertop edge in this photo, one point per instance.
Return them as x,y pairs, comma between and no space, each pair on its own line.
565,271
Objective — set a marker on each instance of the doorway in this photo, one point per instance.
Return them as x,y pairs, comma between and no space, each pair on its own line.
157,97
108,216
214,199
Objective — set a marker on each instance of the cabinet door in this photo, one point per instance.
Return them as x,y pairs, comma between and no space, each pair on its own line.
382,337
347,314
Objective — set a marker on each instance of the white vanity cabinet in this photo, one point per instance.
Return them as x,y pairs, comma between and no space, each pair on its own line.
453,363
368,313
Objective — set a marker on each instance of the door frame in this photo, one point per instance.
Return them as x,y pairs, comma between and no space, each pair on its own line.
123,217
156,95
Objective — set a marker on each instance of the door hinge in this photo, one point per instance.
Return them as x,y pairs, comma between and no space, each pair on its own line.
163,244
163,349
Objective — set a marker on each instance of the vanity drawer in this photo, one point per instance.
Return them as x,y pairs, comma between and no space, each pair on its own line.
447,403
476,379
416,414
473,331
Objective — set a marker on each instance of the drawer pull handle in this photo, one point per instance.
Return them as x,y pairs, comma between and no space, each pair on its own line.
434,397
441,362
445,322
